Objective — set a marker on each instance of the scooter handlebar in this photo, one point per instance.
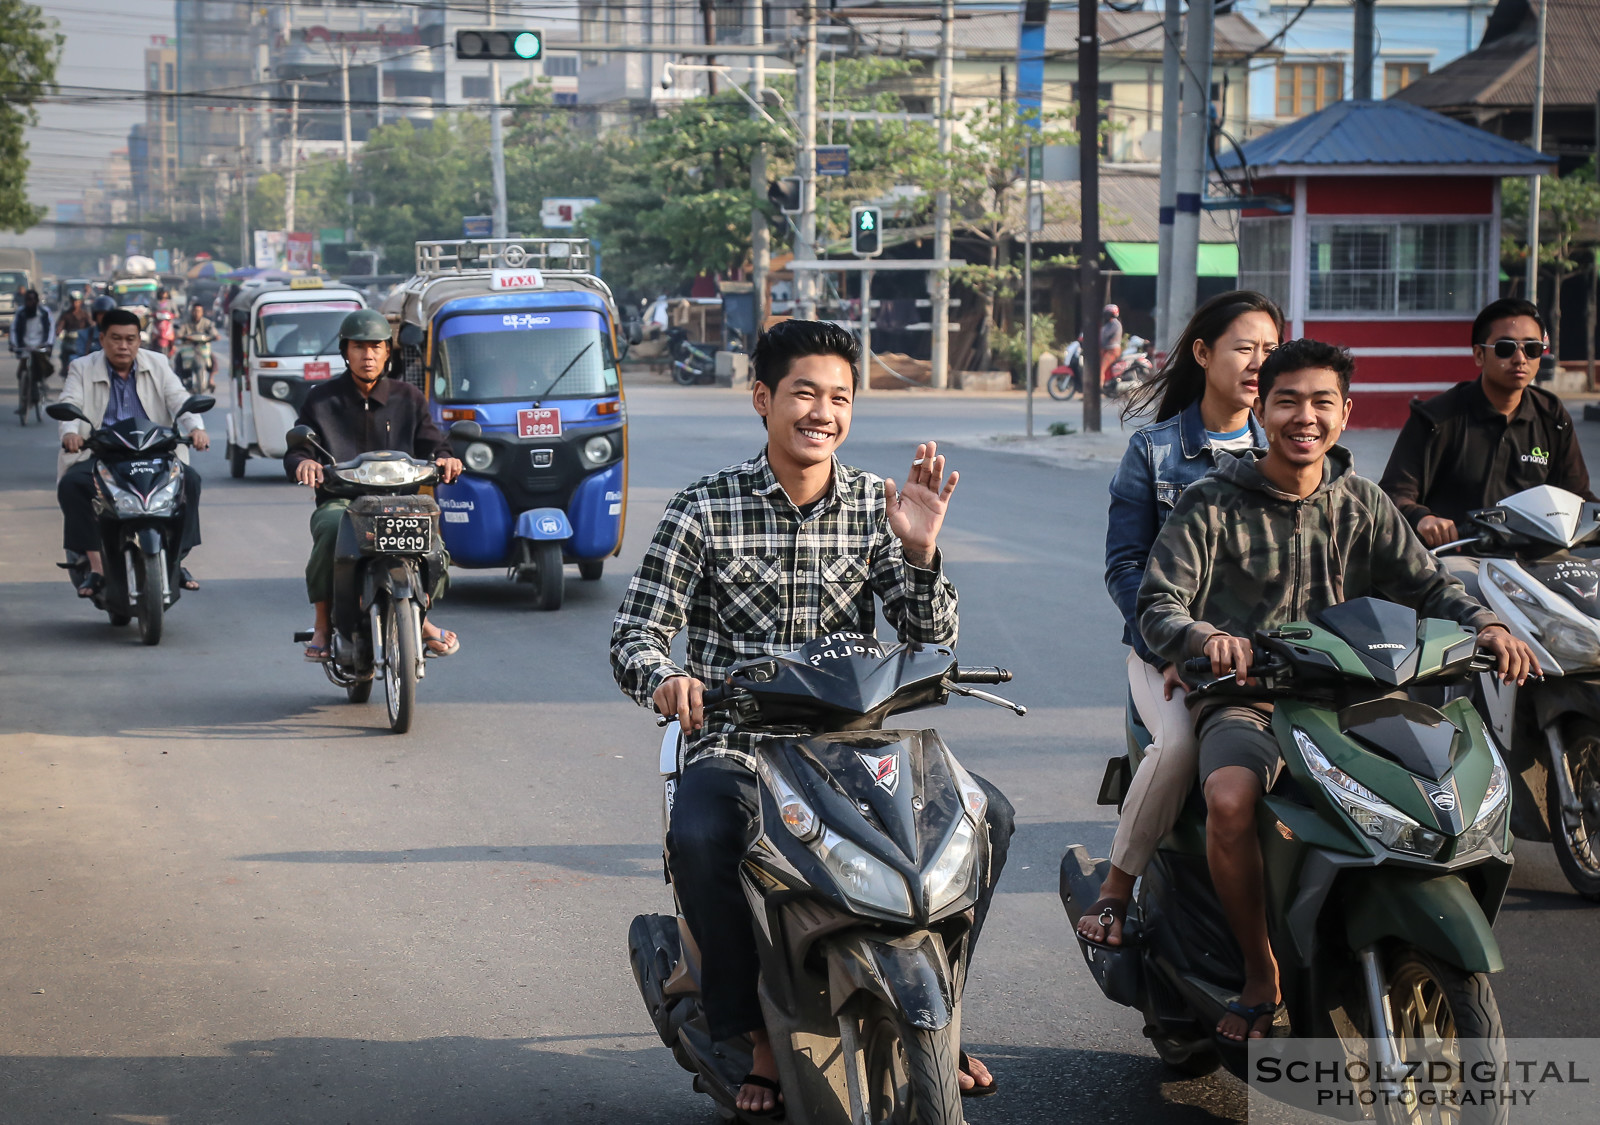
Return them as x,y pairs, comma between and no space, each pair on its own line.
982,676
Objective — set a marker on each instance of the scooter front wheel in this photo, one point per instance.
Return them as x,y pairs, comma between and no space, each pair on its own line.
152,597
1575,833
400,662
912,1074
1443,1015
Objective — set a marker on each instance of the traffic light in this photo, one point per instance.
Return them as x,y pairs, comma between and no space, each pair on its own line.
494,44
784,194
866,227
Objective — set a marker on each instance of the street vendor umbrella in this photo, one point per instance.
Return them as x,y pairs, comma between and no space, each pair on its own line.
209,268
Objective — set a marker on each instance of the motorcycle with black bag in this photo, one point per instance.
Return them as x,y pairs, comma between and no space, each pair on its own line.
388,561
871,851
1386,853
138,502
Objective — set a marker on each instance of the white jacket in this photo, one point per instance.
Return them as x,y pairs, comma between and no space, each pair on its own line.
160,392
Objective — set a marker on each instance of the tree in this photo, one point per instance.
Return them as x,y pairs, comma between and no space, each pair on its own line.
30,50
415,184
548,156
1567,204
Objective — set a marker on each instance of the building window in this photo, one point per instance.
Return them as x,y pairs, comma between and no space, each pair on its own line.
155,76
171,82
566,98
172,109
475,89
1307,87
561,66
1397,268
1264,252
1398,75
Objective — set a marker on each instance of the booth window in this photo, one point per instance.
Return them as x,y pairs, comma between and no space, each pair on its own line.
1397,268
1264,255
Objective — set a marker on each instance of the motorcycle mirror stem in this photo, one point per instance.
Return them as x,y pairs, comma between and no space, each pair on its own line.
987,697
303,436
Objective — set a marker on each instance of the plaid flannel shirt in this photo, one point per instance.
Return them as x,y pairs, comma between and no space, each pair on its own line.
736,562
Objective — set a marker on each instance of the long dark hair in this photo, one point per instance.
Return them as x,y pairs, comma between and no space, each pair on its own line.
1181,381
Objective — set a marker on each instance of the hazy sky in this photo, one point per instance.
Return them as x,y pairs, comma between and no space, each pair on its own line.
105,47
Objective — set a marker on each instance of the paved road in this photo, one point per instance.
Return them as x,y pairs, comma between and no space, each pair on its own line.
227,896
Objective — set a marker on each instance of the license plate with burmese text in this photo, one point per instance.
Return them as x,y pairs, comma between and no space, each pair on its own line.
538,423
402,535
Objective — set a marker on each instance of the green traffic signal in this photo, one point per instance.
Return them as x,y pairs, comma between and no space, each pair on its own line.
867,221
526,45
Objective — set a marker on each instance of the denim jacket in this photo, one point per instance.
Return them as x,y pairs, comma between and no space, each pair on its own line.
1162,460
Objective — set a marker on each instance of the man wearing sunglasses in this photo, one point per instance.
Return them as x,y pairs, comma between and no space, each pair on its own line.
1486,439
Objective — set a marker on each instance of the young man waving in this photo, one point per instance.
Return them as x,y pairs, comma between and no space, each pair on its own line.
755,561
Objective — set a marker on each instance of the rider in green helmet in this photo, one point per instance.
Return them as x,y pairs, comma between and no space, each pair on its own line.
358,412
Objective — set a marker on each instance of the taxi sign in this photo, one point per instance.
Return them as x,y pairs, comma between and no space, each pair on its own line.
305,283
516,279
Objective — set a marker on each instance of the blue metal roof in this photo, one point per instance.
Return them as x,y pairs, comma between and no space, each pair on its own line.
1382,133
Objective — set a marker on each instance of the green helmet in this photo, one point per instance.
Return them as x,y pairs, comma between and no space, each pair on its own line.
368,325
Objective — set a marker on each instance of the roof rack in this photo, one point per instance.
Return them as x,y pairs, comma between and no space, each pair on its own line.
462,256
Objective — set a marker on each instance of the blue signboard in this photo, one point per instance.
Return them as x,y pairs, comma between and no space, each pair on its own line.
833,160
477,226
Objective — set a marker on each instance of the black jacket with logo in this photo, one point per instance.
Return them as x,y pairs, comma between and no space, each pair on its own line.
1458,453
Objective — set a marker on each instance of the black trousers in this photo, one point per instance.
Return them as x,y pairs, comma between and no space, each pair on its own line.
714,815
81,531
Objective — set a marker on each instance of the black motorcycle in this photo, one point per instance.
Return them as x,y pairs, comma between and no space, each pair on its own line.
388,559
863,879
138,500
691,363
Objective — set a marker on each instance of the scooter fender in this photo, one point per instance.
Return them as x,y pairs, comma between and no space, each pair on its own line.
911,974
149,540
1437,914
543,523
396,580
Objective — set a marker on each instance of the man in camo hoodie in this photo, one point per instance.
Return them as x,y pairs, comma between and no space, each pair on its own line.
1262,541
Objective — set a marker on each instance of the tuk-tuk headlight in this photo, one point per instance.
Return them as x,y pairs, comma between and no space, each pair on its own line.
281,390
597,450
479,457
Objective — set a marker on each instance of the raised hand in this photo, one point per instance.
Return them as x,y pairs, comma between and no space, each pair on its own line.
916,512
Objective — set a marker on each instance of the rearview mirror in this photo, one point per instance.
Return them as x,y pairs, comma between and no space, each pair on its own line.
412,335
65,412
300,437
466,430
197,404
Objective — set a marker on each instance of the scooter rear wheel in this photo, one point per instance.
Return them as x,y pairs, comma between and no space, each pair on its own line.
359,691
1577,841
1063,387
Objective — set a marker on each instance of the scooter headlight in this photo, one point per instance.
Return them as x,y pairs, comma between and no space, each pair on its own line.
125,500
166,494
1491,821
1574,645
951,874
597,450
385,473
479,456
865,879
1371,813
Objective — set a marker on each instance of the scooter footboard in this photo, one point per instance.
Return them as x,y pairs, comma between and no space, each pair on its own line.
1437,914
911,974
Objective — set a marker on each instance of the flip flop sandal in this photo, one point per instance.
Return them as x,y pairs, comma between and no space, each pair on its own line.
318,654
91,585
990,1087
189,580
1106,911
451,647
776,1113
1250,1015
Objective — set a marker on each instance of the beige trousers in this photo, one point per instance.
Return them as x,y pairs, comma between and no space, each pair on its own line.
1161,783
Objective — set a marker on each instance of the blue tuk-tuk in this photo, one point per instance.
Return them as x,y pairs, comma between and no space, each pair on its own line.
519,336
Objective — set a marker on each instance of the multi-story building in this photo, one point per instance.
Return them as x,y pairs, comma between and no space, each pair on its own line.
153,145
220,51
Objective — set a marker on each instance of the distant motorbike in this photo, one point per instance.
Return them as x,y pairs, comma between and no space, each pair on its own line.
1066,381
1130,369
387,561
139,502
691,363
163,331
192,362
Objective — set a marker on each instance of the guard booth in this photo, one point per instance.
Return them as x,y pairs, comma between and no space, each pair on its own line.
1378,228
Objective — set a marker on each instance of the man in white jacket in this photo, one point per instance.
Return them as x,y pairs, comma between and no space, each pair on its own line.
120,381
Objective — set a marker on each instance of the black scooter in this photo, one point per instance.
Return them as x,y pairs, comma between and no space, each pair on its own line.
691,363
863,878
388,559
138,500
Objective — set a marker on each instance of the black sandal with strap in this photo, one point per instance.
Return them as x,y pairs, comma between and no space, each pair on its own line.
1250,1015
93,582
776,1113
990,1087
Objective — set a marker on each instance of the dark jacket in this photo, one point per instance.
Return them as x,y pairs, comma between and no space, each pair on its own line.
1238,555
1162,460
394,417
1457,453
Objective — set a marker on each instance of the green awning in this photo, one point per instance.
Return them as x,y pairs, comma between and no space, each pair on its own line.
1138,259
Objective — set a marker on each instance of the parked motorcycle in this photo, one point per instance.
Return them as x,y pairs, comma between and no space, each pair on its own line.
1549,729
863,878
1130,369
1066,381
1385,851
387,562
691,363
139,503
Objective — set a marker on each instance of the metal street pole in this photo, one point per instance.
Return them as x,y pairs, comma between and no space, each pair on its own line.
760,237
497,148
939,303
1362,47
1196,114
294,161
1089,242
1027,297
1532,280
806,160
344,93
866,333
244,199
1171,25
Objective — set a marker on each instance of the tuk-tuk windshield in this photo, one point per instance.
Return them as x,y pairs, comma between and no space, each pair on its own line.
513,357
301,327
140,296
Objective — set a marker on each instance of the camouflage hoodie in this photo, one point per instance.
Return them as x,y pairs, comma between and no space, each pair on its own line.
1238,555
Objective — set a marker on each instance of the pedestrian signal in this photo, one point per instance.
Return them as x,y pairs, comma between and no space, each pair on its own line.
496,44
866,226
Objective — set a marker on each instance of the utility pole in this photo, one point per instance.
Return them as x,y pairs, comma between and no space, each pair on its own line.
1538,145
760,238
244,198
294,155
1196,114
1089,174
1171,27
865,384
939,373
344,92
497,142
806,245
1363,48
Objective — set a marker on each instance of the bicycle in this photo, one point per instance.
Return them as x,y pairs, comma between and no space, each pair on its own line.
31,376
